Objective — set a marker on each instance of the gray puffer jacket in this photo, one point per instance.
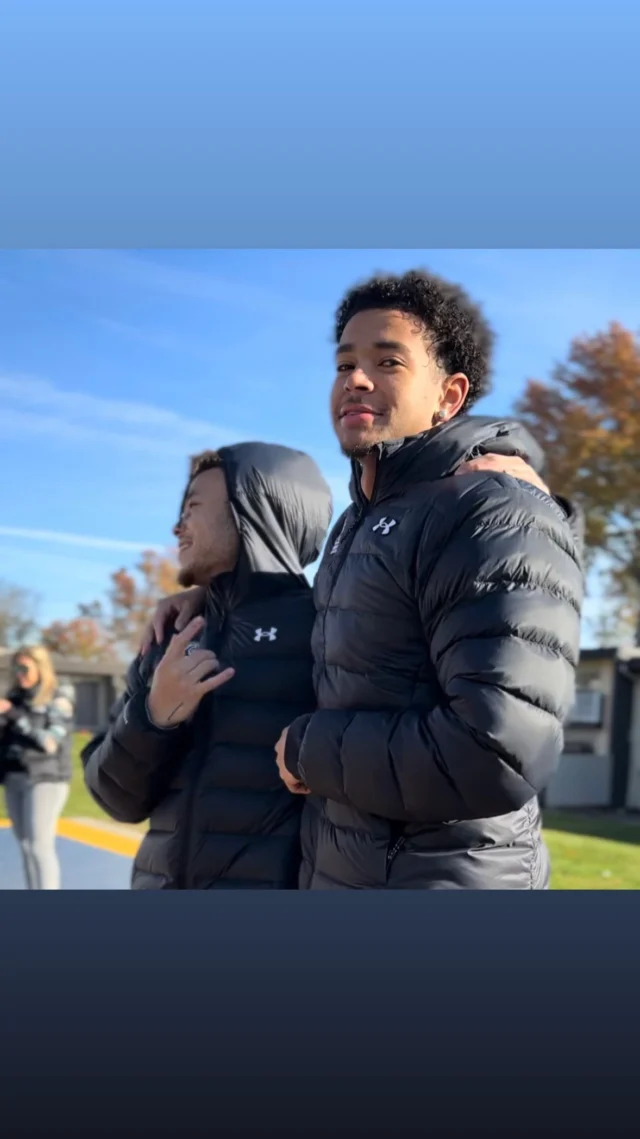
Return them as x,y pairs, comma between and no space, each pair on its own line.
35,739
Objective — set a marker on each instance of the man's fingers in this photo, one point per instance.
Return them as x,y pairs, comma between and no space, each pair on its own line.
203,668
147,639
190,608
482,464
215,681
295,786
189,663
159,622
180,641
299,789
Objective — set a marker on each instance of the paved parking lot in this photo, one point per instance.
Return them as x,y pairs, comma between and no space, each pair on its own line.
91,858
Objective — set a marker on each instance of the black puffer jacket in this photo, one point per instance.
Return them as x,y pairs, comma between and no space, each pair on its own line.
445,649
220,818
36,739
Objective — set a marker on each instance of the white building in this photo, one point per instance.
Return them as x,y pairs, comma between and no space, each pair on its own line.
600,766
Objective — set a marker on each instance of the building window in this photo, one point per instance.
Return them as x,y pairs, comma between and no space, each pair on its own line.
86,704
587,709
578,747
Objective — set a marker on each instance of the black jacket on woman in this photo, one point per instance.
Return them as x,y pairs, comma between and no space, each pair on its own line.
220,817
36,740
445,648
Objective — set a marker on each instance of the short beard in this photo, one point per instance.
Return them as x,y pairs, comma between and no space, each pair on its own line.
191,575
201,573
359,452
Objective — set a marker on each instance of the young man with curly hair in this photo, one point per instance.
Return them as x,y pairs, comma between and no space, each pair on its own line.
448,610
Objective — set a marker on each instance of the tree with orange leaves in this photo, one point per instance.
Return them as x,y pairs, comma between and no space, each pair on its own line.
588,422
82,637
101,631
133,597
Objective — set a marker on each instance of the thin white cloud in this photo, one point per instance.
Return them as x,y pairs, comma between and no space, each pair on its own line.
192,284
34,392
43,410
86,541
40,408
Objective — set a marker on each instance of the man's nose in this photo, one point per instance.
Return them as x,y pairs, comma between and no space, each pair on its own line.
358,380
177,529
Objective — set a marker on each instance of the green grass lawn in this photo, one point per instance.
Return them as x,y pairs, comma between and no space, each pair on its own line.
593,851
588,851
79,805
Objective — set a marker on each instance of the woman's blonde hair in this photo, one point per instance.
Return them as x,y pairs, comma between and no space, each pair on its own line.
48,682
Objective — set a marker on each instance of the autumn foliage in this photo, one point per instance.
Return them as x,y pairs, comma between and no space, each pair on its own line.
115,628
588,422
132,599
82,637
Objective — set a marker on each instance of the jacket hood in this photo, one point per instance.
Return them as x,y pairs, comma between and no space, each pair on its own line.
281,503
437,453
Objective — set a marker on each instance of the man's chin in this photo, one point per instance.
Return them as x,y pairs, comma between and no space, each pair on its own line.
357,446
187,577
358,443
357,450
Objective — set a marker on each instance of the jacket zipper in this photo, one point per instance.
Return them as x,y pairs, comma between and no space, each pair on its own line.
345,539
366,505
391,853
184,877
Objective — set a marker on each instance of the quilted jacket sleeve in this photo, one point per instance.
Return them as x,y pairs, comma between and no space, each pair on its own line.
128,767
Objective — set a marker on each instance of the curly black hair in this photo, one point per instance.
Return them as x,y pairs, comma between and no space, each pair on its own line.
454,326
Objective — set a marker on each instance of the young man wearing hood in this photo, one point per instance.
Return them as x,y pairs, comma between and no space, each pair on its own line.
448,614
190,743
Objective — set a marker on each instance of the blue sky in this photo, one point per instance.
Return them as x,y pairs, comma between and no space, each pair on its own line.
115,366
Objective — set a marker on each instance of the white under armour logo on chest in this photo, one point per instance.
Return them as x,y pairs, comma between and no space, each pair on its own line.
270,634
384,525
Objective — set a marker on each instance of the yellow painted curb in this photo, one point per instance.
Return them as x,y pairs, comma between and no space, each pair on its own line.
94,836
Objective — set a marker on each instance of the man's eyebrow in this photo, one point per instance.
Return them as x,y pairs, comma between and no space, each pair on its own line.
385,345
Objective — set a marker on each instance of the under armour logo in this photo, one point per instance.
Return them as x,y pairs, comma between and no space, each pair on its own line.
384,525
270,634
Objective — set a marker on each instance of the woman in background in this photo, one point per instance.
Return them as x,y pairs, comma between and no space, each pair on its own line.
36,721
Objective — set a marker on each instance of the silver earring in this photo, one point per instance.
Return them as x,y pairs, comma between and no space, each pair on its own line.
441,416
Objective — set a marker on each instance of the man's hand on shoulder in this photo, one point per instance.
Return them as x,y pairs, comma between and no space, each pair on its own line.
511,465
174,611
